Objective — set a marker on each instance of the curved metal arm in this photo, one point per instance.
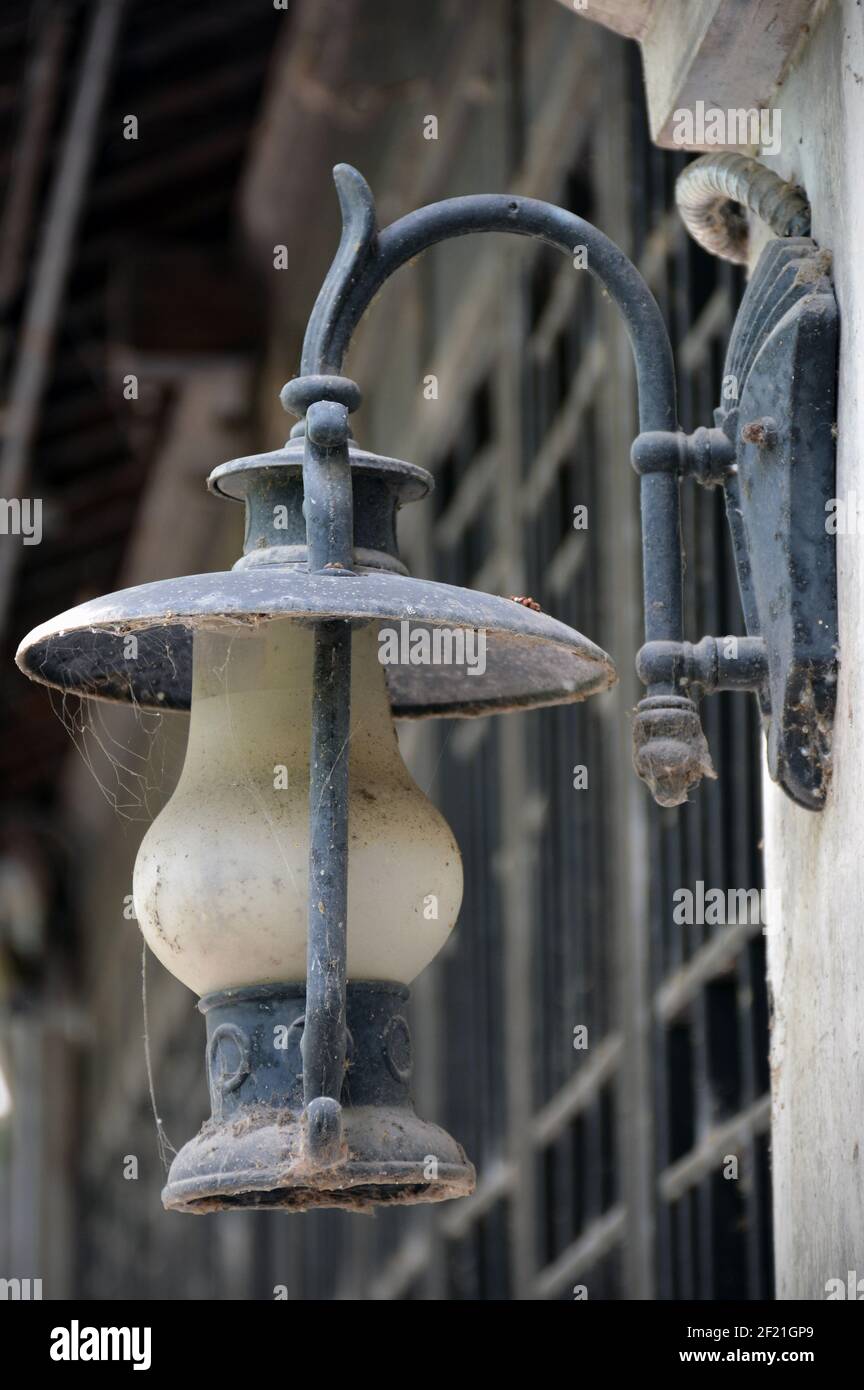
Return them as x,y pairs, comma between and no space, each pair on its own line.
366,259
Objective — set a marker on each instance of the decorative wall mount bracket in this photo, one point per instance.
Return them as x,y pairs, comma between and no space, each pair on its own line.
783,355
772,450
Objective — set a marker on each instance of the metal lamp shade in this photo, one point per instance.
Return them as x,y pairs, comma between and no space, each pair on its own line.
530,659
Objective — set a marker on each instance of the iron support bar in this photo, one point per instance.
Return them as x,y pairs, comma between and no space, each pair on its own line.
661,558
328,505
327,500
323,1045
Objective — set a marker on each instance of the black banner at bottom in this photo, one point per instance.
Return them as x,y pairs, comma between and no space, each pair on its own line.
251,1338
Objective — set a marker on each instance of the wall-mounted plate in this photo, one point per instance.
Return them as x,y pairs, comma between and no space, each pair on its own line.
779,411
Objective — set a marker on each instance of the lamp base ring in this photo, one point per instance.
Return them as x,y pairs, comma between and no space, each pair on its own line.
254,1152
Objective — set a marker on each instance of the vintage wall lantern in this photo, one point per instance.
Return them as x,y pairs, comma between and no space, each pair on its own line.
285,879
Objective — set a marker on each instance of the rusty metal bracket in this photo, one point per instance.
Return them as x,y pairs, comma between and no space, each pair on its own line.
772,450
778,415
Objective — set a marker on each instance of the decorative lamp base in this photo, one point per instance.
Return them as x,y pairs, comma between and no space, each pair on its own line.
253,1152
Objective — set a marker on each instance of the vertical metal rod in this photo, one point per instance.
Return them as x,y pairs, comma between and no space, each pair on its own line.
326,965
327,491
661,552
329,510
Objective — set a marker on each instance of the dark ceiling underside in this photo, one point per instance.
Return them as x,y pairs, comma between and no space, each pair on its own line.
194,76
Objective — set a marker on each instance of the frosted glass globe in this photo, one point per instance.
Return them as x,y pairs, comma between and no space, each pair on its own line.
220,879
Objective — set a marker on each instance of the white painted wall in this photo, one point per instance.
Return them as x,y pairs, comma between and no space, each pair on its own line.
816,952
